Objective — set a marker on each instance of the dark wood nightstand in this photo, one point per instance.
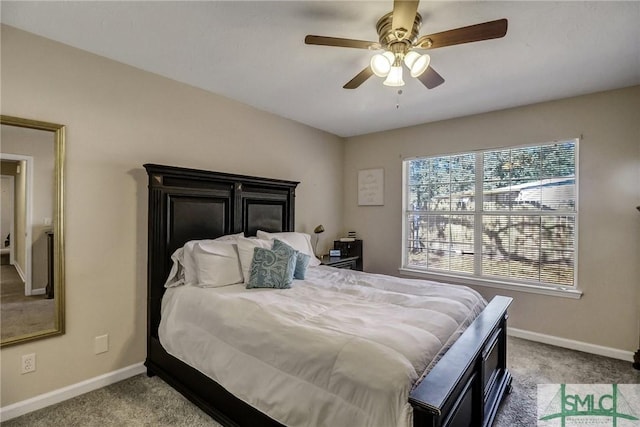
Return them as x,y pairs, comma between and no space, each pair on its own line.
348,262
351,249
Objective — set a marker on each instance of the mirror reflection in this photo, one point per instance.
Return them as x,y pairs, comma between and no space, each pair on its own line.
31,257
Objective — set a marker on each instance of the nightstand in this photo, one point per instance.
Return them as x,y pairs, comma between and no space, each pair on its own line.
348,262
351,249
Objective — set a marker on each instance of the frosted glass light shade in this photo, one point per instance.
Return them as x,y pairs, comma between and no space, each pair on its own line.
394,78
416,63
421,65
410,58
381,63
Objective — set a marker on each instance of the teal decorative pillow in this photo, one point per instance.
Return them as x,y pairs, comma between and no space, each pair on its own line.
302,260
272,268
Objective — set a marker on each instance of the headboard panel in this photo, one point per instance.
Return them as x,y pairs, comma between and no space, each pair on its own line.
189,204
265,210
208,217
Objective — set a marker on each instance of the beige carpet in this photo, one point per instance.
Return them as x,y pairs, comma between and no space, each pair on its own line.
143,401
19,314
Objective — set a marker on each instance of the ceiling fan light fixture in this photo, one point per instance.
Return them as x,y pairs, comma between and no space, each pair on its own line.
398,36
417,63
381,63
394,78
410,57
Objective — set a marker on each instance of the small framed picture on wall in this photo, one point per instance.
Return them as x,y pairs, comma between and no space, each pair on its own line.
371,187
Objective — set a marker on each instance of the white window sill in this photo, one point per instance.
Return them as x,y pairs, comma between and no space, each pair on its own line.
559,291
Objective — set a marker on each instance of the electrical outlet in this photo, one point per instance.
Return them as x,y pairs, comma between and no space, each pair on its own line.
28,363
101,344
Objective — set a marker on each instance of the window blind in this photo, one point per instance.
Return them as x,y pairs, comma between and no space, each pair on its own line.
507,213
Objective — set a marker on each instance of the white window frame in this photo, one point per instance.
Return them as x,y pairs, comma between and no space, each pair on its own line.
478,213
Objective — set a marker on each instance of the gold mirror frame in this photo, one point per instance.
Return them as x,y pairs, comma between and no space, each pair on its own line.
58,227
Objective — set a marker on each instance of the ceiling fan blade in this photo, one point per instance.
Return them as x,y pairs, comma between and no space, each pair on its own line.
472,33
360,78
404,14
430,78
336,41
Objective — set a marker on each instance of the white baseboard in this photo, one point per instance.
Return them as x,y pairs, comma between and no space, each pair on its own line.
39,291
23,276
572,344
65,393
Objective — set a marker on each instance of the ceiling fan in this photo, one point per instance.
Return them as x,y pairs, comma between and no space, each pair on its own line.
398,37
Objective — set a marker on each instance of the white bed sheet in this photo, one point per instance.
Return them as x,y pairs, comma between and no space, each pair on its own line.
340,348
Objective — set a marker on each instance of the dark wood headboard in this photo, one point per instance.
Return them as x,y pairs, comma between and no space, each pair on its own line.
190,204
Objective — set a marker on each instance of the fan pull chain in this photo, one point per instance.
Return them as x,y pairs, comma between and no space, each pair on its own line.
398,99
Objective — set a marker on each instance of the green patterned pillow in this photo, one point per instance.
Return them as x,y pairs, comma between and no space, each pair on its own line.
302,260
272,268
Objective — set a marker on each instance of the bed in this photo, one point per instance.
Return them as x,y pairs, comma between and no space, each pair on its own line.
462,387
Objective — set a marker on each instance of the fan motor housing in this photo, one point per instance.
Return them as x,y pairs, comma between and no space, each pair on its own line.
388,35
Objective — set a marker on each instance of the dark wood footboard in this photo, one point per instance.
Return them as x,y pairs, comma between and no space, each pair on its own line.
466,386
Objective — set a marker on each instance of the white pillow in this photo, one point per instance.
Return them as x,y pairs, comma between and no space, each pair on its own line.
217,264
298,241
176,275
245,252
229,237
187,258
188,262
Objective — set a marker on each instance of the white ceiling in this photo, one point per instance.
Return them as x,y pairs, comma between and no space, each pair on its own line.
254,52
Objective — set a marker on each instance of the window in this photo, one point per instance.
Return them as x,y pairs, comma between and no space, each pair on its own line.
506,214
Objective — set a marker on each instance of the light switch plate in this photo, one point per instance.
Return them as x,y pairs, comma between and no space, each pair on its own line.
101,344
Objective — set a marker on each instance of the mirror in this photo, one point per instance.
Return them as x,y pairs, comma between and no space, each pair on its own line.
31,230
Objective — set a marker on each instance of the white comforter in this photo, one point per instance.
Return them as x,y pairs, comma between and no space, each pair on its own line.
341,348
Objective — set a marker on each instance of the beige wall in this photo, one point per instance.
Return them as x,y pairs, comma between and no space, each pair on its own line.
609,191
118,118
